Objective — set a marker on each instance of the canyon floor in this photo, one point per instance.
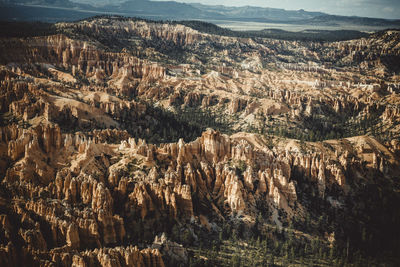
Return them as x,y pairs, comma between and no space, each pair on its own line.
128,142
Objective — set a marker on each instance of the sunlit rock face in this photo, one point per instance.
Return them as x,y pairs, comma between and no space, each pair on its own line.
90,176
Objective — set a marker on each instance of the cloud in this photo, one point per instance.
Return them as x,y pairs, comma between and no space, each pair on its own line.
388,9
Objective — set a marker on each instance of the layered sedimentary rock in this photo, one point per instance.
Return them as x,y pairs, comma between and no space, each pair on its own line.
81,186
229,173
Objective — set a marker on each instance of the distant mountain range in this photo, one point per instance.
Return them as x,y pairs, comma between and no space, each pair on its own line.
65,10
258,13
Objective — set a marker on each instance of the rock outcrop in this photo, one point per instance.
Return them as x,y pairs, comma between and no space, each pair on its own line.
103,146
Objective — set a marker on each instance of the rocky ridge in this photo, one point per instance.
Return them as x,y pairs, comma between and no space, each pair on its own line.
81,185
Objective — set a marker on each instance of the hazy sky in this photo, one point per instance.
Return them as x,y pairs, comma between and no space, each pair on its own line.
366,8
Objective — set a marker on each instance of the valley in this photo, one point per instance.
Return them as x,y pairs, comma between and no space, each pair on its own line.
132,142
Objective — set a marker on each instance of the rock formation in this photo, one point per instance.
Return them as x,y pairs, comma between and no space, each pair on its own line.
88,179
